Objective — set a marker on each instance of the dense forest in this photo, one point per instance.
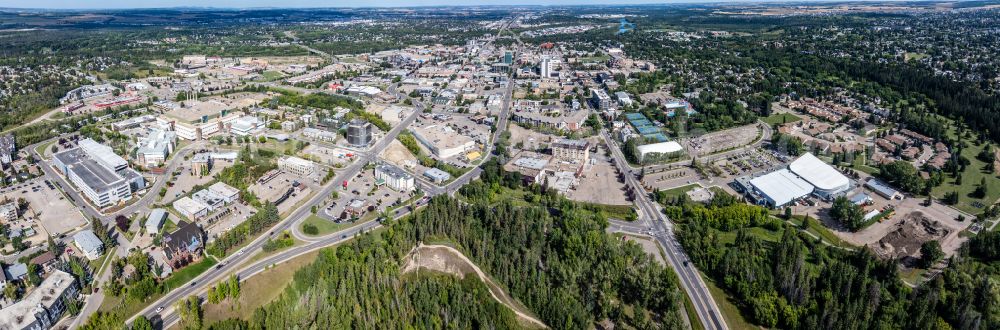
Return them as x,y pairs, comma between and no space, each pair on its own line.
554,257
782,278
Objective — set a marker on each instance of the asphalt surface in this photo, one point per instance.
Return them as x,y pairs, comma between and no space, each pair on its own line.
655,224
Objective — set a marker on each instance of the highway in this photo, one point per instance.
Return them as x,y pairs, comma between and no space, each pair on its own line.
658,226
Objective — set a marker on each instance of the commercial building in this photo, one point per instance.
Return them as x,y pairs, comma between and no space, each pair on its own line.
246,125
155,147
210,199
42,307
191,208
359,133
227,192
437,175
297,166
155,221
103,177
442,140
571,149
394,177
623,99
319,135
804,176
89,244
883,189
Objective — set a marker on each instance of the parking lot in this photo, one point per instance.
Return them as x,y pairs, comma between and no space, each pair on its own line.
362,187
274,189
723,140
183,182
54,212
750,162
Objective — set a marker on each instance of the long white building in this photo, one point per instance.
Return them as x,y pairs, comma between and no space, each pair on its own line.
101,175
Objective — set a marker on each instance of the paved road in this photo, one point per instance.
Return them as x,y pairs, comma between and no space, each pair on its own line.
229,264
658,226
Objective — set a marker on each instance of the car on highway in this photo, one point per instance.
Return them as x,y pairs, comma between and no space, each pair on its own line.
159,309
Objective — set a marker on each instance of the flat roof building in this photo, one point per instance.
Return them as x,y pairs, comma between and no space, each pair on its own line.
191,208
103,177
89,244
155,147
669,147
297,166
155,220
571,149
443,141
394,177
42,307
227,192
781,187
359,133
437,175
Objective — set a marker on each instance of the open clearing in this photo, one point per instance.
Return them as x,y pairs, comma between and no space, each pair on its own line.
448,260
258,290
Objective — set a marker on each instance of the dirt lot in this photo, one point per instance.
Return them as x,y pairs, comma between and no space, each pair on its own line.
670,178
397,154
907,235
599,183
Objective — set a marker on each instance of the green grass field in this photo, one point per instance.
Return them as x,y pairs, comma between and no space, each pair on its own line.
258,290
324,226
781,118
188,273
679,191
971,178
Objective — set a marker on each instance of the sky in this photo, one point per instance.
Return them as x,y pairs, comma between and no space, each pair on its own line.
117,4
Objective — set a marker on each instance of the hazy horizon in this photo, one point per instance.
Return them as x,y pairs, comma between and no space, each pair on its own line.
250,4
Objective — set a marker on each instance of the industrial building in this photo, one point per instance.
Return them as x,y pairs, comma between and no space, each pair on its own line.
103,177
780,188
359,133
394,177
155,147
827,180
442,140
42,307
296,166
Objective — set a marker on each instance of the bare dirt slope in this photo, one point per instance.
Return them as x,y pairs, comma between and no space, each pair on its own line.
448,260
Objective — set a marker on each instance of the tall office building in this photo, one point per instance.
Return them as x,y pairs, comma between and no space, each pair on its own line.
359,133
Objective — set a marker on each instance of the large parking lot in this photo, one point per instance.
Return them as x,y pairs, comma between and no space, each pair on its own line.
183,182
750,162
54,212
723,140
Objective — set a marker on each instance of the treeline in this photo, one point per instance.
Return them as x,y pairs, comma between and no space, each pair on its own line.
554,257
794,282
330,102
266,217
